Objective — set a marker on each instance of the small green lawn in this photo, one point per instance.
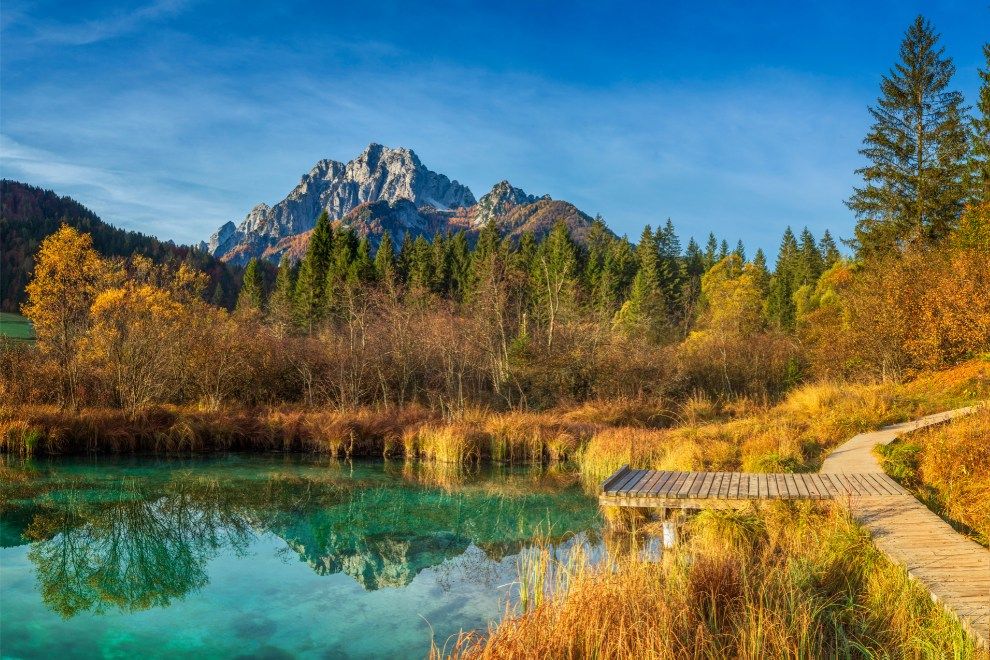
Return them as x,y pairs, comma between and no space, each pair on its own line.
15,326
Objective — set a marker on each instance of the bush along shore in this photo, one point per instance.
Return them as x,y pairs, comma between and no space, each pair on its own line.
599,436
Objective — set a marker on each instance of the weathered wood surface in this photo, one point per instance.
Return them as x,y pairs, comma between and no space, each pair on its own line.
954,569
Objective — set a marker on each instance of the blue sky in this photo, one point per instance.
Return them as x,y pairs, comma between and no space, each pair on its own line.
172,116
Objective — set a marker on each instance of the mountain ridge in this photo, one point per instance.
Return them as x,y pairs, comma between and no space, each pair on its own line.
386,189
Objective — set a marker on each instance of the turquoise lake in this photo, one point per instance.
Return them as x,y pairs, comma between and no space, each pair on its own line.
266,556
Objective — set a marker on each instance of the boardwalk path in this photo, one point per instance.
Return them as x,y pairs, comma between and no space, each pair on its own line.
954,569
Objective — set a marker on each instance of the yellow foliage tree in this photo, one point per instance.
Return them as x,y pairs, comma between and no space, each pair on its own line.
68,276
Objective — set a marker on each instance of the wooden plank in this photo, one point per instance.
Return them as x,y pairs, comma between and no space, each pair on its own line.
696,486
624,485
773,488
686,486
701,489
706,488
622,481
723,489
792,489
819,485
646,484
676,484
606,487
733,492
658,487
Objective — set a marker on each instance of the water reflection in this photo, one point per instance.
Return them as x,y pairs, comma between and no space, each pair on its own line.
139,536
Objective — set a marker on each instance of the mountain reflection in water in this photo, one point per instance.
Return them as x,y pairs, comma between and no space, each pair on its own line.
134,534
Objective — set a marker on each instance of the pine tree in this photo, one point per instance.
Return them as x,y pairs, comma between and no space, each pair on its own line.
219,296
780,303
809,265
420,266
280,304
670,267
711,251
723,249
252,288
460,265
694,260
555,279
829,250
645,312
385,260
740,251
363,268
913,186
311,284
978,174
762,274
402,262
481,257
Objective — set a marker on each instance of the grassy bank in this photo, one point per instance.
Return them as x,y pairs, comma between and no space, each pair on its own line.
948,468
794,581
599,436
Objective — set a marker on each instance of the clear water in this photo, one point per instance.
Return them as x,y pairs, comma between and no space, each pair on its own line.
265,556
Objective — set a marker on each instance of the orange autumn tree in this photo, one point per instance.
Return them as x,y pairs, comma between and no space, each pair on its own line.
68,276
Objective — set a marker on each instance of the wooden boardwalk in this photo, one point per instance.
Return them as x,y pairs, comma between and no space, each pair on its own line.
954,569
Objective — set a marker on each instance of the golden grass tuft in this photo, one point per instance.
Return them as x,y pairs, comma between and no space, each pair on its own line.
793,581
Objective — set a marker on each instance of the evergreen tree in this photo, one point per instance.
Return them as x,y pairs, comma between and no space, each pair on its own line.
363,268
617,272
978,175
723,249
645,312
440,263
484,251
405,257
385,260
460,265
780,303
810,263
597,244
670,268
280,304
252,288
555,279
420,265
762,274
219,296
311,284
694,260
740,251
913,185
829,250
711,251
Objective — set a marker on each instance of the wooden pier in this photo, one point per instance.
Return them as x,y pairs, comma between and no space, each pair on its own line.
954,569
706,490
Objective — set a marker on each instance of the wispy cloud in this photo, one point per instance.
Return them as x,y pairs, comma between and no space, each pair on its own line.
112,25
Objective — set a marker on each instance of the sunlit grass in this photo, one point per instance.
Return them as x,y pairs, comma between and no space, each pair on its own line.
794,581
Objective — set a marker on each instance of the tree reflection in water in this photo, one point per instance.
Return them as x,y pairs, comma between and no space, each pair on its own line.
129,544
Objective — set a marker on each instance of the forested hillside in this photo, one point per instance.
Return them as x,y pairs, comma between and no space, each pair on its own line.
29,214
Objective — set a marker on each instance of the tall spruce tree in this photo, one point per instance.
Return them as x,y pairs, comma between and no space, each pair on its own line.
780,302
978,174
311,284
829,250
252,294
913,185
280,305
385,260
645,312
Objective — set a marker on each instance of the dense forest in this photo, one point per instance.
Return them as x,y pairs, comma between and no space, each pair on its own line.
29,214
533,323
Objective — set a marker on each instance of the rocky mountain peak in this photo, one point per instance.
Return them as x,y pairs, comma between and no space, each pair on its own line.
499,201
379,173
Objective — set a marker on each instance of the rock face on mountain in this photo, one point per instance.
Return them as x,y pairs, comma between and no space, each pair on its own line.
378,174
389,190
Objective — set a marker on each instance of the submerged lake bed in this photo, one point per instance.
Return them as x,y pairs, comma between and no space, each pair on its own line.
267,555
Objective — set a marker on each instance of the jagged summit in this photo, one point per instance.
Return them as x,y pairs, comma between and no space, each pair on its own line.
379,173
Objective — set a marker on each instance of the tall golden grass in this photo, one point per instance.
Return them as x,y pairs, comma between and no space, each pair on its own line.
795,581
